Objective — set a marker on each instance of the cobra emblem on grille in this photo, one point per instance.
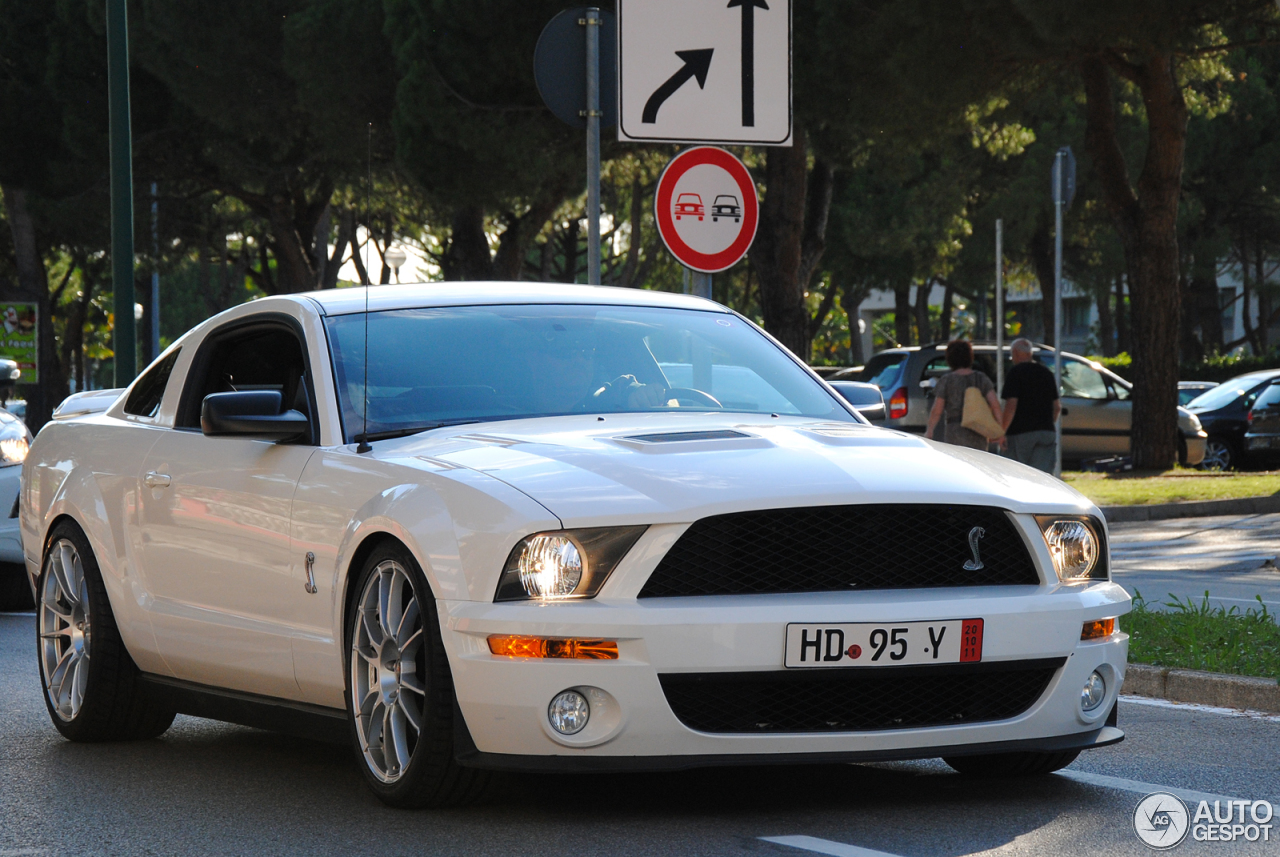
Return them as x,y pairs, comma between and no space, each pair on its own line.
975,564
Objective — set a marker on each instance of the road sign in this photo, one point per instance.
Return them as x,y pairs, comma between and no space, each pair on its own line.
706,209
705,71
559,68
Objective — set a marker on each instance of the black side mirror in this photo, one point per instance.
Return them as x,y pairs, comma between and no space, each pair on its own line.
255,413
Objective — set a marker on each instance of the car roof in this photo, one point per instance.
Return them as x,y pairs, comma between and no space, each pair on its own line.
418,295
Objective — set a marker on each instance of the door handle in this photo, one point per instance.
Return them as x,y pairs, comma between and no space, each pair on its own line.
157,480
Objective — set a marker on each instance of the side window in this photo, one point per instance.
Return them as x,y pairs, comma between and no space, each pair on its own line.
1122,393
1082,381
936,368
144,400
1270,397
266,357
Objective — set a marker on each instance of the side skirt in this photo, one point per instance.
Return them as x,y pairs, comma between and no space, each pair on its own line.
249,709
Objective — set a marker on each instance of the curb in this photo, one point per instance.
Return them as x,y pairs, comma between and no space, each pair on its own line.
1203,688
1197,509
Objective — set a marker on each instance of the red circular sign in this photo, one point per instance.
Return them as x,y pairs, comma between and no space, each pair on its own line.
707,209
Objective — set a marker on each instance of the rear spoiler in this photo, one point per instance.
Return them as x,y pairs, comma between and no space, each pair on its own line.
88,402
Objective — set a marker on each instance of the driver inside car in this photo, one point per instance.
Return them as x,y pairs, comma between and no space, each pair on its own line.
565,378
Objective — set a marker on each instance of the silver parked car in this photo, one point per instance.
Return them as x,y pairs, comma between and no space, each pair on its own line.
1097,412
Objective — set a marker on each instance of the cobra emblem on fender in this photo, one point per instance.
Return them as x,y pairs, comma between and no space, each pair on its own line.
975,564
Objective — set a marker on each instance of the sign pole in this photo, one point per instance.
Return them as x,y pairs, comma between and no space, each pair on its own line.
124,336
1058,202
702,285
999,306
592,23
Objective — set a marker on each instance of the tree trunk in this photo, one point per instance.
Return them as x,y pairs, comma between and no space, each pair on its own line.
1123,344
1263,330
1106,323
33,286
1042,259
902,313
468,256
1147,221
948,300
924,330
790,240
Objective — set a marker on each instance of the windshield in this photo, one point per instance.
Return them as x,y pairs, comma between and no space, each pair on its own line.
1220,396
883,369
441,366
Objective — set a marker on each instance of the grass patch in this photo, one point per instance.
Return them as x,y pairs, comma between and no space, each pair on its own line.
1200,637
1172,486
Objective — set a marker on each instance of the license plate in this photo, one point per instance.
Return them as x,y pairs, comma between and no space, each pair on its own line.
877,644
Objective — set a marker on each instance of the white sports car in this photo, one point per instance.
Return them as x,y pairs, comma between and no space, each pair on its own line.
539,527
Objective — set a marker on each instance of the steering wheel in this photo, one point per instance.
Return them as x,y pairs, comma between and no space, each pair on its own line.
696,396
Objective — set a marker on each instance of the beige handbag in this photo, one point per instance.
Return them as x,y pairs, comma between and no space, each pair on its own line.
977,415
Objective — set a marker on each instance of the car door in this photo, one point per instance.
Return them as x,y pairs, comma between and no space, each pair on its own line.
214,521
1095,421
1263,433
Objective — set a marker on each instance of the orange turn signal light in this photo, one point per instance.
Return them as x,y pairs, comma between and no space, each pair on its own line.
553,647
1095,630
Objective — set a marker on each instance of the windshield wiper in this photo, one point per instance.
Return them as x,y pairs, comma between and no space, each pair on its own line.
405,432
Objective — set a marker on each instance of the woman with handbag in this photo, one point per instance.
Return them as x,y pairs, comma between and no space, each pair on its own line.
968,401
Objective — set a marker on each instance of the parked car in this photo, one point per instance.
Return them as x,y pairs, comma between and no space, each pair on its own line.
689,205
865,398
15,440
1262,435
1223,412
1188,390
1096,410
553,528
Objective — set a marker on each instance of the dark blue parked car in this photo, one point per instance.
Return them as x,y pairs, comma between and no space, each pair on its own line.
1223,411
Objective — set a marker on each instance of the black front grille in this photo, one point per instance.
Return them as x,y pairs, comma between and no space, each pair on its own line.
841,549
857,699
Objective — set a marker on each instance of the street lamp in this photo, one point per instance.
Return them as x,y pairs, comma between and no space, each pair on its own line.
395,257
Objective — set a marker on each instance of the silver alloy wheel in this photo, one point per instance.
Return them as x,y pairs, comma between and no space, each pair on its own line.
1217,455
65,631
388,671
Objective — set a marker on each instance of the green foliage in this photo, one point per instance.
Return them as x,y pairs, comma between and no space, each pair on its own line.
1215,367
1200,637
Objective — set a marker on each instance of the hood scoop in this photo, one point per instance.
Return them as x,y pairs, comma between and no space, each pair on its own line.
685,436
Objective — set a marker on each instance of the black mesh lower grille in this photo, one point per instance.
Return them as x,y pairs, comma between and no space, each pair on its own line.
857,700
843,548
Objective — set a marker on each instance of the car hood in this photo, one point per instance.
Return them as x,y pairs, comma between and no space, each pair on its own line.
640,469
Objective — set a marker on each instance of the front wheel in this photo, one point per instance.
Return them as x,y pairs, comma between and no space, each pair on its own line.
93,689
1008,765
400,702
1218,455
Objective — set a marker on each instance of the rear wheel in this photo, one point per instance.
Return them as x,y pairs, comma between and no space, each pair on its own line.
1219,455
1006,765
400,700
93,689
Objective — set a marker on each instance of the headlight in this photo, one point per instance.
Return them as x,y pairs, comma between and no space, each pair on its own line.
1076,546
564,564
13,450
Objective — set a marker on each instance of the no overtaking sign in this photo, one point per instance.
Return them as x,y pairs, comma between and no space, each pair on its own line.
706,209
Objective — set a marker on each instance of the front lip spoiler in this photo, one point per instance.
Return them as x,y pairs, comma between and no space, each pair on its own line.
466,754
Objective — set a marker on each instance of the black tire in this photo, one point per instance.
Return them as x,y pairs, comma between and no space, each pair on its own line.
1220,454
15,590
432,778
1011,765
117,705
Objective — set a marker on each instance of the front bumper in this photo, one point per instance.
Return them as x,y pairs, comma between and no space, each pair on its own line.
503,701
1196,446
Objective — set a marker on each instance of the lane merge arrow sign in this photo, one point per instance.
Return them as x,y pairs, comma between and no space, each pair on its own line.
696,64
743,97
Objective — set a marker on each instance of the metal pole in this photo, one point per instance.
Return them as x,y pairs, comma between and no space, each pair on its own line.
1057,310
155,273
592,22
999,307
687,288
124,336
702,285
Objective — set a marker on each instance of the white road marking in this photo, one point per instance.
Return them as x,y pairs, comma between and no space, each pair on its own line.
1188,795
1203,709
825,846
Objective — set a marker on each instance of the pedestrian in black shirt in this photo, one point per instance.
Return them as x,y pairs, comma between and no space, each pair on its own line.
1031,408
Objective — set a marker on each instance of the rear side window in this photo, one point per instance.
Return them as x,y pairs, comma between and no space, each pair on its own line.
145,398
1270,397
883,369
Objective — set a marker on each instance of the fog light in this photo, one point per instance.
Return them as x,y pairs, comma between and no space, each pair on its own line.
1098,629
1090,696
569,712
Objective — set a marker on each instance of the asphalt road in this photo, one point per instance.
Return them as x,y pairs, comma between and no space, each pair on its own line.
207,788
1234,558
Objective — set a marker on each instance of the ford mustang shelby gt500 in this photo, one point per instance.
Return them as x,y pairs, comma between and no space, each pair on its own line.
553,528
